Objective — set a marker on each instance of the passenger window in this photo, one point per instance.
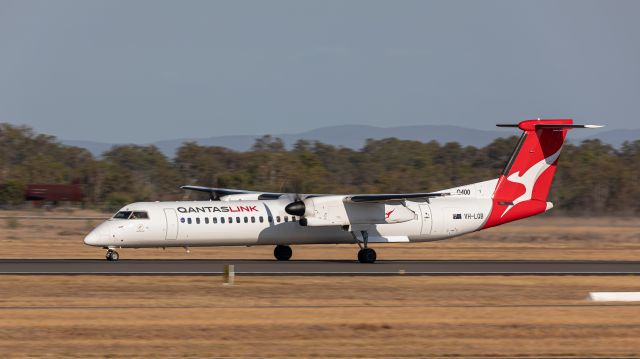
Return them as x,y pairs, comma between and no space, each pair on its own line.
286,218
189,220
293,218
277,219
261,219
197,220
206,220
237,219
230,220
270,219
221,219
214,220
246,220
253,219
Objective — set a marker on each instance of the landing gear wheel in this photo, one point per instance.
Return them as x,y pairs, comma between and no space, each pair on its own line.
112,255
367,255
282,253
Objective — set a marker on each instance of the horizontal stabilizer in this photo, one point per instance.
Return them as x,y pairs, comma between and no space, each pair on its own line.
552,126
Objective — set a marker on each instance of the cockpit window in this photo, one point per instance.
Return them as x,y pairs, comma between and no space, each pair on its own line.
131,215
139,215
122,215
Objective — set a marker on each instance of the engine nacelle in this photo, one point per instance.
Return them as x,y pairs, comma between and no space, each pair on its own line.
333,211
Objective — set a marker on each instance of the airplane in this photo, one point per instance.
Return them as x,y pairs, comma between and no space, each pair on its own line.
235,217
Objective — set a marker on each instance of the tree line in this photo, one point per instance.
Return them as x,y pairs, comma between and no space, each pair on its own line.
593,178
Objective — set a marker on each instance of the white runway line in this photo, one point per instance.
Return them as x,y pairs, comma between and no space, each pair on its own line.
614,296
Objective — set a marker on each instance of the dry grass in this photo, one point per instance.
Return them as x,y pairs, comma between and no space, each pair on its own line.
541,237
125,317
314,317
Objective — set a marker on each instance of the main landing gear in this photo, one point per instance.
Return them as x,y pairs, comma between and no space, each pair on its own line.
365,254
282,253
112,255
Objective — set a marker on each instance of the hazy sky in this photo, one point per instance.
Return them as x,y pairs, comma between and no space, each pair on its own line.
139,71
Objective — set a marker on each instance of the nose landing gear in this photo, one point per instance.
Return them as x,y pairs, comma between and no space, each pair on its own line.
112,255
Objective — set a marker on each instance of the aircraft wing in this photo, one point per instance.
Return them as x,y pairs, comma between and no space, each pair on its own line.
393,197
216,193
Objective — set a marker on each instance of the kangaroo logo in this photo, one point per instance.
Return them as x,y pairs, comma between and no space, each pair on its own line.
529,178
388,214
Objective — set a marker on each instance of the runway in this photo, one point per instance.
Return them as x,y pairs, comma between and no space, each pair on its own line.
315,267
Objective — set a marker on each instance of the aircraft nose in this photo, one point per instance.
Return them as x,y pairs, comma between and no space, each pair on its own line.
96,237
91,239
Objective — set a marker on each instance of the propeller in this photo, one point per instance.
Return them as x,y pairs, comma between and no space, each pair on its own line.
297,208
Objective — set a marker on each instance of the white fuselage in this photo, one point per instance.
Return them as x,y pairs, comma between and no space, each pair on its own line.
265,222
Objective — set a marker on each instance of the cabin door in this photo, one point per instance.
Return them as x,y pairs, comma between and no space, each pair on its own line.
172,223
425,213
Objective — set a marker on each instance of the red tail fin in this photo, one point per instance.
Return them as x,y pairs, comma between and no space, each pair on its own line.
524,184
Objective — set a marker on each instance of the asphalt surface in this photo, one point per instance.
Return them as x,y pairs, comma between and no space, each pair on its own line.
315,267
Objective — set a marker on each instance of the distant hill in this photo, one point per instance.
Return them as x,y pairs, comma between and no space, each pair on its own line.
613,137
354,136
96,148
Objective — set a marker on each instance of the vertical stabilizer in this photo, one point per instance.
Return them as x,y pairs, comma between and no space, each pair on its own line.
524,184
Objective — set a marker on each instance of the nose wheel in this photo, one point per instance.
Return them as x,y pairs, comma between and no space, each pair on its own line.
112,255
